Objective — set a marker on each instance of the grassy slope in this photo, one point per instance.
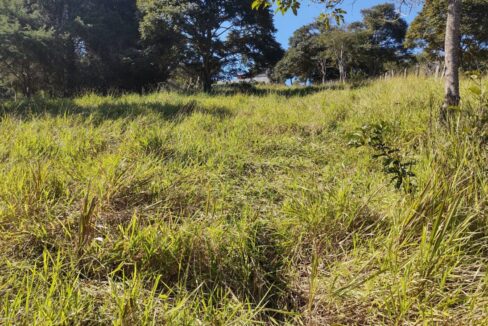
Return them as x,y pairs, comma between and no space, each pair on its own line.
238,209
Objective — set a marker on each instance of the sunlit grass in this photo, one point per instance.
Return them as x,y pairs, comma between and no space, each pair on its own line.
242,209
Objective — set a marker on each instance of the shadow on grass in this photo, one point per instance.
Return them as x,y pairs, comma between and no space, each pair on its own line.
35,107
251,89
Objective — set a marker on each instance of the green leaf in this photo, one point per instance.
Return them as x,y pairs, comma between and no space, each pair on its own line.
256,4
475,90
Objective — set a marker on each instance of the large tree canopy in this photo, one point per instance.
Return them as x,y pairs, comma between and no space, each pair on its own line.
427,31
302,60
62,46
215,35
25,44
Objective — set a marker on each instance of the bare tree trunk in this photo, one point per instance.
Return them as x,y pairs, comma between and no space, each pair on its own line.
342,73
342,68
323,70
452,49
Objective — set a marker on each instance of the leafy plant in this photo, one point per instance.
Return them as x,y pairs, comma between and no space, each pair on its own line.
394,162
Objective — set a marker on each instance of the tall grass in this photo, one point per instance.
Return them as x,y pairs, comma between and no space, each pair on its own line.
243,209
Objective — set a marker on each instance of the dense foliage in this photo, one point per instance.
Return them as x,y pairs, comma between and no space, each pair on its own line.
317,53
216,35
427,31
65,46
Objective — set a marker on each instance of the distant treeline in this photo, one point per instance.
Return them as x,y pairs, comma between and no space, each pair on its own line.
383,43
61,47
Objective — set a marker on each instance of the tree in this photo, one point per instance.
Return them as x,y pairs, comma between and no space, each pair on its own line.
109,51
452,57
452,40
346,50
427,31
305,58
316,53
25,44
100,45
387,34
64,46
214,34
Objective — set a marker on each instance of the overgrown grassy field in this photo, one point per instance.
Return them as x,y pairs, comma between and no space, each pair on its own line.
272,207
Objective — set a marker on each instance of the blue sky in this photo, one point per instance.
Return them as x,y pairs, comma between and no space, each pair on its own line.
288,23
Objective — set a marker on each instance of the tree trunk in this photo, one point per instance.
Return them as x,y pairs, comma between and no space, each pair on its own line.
342,73
342,69
206,75
452,57
323,70
207,62
207,83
